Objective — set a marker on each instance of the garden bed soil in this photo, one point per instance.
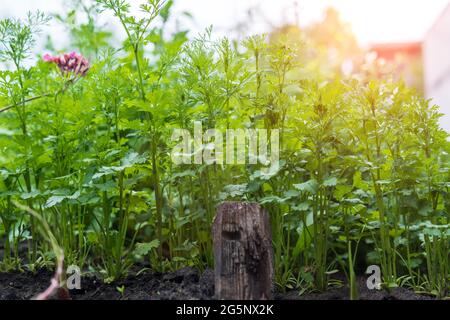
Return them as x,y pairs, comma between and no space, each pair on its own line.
184,284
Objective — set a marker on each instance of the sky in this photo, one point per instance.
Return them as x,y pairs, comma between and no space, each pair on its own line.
373,21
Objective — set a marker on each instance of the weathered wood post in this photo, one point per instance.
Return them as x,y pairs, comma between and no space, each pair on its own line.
243,252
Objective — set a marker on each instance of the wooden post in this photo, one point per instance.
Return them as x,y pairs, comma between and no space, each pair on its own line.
243,252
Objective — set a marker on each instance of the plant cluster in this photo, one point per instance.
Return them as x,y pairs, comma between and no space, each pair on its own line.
363,179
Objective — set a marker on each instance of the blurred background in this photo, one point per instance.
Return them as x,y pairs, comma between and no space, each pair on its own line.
397,39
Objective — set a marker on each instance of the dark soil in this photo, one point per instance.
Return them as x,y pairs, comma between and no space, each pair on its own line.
185,284
343,293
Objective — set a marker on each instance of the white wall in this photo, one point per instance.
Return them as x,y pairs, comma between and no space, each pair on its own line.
437,65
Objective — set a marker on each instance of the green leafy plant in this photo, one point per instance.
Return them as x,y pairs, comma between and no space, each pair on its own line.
363,176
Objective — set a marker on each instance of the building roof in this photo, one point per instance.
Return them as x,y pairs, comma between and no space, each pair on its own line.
388,51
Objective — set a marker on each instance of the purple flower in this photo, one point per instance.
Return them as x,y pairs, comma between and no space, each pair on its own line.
70,62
